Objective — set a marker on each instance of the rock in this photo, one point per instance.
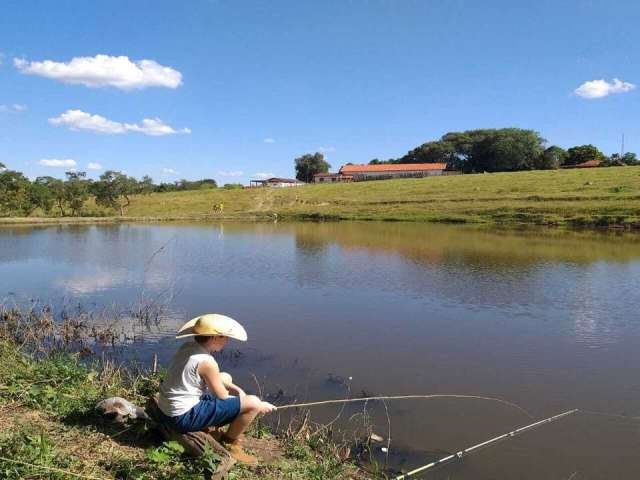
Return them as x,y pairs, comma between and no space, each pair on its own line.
121,410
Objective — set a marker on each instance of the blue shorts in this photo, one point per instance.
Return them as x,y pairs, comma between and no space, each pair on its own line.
208,412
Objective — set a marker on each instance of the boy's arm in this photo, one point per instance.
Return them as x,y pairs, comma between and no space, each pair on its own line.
208,369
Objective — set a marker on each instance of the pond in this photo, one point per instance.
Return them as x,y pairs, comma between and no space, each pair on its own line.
546,319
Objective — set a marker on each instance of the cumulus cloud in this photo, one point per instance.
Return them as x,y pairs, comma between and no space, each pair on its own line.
602,88
79,120
15,108
269,140
232,173
104,71
263,175
94,166
169,171
54,162
155,127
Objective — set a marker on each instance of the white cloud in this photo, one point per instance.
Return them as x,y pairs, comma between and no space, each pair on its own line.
155,127
602,88
169,171
326,149
79,120
94,166
54,162
104,71
15,108
263,175
269,140
233,173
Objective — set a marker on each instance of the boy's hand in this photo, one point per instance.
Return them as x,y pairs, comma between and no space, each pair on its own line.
266,407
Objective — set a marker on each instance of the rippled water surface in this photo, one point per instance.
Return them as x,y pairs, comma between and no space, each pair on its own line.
548,320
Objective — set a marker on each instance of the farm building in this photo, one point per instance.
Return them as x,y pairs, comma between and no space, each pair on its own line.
276,182
331,178
587,164
393,170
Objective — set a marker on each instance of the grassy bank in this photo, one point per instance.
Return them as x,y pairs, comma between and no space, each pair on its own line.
596,197
51,429
585,197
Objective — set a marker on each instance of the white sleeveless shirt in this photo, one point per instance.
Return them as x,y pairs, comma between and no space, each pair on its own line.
182,388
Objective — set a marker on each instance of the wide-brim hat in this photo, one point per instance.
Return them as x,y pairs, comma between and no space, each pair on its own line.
213,324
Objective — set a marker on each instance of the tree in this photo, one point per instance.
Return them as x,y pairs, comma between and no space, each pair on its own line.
551,158
76,191
56,190
505,150
232,186
114,190
309,164
146,186
15,191
583,153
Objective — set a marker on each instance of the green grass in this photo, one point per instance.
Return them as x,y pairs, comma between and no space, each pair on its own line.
50,427
577,198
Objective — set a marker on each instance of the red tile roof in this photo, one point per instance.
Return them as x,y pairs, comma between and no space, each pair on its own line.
393,167
589,164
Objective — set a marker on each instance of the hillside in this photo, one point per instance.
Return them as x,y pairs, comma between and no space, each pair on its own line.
578,197
584,197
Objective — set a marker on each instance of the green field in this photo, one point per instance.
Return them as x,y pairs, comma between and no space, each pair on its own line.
581,197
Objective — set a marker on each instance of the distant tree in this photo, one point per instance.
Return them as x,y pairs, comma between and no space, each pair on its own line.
630,158
145,186
76,191
55,187
232,186
114,190
583,153
551,158
309,164
509,149
15,193
41,197
2,167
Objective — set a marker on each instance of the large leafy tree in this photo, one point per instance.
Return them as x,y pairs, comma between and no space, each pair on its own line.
508,149
309,164
76,191
114,190
583,153
481,150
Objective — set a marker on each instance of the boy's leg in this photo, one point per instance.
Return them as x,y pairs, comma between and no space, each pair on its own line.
248,411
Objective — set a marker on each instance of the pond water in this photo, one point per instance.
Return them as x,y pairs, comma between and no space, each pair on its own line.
548,320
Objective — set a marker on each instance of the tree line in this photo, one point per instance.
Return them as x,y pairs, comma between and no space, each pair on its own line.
504,150
68,196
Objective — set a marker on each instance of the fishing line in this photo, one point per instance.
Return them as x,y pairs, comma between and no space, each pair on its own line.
403,397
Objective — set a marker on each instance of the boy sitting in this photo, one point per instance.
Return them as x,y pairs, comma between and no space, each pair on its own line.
195,395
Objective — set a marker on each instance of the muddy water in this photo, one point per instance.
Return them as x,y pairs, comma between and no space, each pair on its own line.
548,320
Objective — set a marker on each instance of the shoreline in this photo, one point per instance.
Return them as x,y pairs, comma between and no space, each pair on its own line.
598,225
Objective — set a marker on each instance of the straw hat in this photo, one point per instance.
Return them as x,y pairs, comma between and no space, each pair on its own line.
213,324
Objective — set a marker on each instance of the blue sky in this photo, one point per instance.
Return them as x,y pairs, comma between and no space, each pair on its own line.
238,86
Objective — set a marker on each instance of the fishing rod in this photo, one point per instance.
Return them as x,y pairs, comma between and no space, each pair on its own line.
402,397
486,443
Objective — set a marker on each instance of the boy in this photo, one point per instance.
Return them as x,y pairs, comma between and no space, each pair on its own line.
195,395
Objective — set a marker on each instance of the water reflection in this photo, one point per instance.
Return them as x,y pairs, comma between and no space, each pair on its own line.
544,318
